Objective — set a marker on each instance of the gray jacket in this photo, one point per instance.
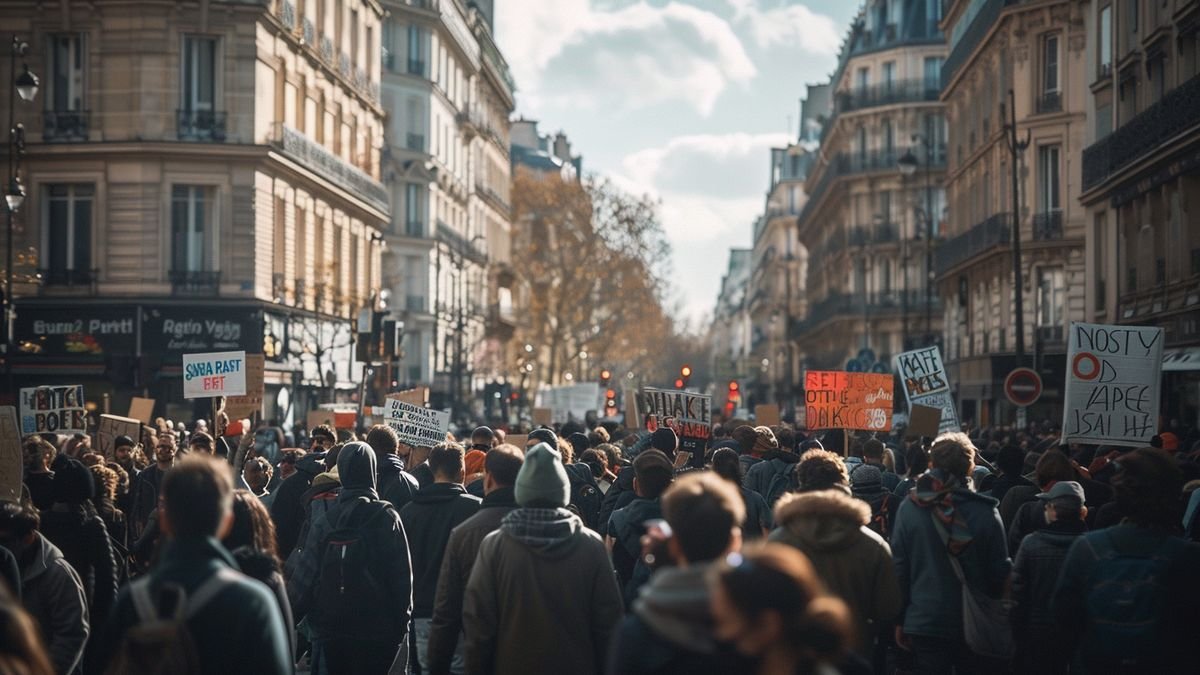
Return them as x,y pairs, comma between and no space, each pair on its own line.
53,594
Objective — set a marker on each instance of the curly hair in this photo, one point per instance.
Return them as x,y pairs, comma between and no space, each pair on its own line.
954,453
106,480
821,470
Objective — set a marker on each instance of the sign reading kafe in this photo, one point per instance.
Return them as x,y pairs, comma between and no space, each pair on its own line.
214,374
923,375
1113,376
57,409
840,400
688,414
417,426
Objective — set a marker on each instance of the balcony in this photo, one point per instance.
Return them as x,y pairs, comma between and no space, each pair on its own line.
69,278
416,67
64,126
191,282
389,61
287,14
858,307
996,231
326,49
969,40
903,91
201,125
1142,135
1048,226
1049,102
865,235
329,166
459,246
309,32
415,229
415,142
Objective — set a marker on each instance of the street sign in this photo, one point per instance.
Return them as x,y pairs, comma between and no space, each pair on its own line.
1023,387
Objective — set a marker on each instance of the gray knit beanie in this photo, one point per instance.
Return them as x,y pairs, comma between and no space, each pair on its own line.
542,480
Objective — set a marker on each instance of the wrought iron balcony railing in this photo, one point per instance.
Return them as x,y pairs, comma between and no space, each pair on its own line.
59,276
887,93
65,126
1048,226
995,231
192,282
1049,102
201,125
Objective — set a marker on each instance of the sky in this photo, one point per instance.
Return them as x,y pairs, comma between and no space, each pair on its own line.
679,99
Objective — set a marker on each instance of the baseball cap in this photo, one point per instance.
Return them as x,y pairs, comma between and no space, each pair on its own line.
1064,488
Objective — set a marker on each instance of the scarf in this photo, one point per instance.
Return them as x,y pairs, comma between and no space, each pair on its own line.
935,491
541,528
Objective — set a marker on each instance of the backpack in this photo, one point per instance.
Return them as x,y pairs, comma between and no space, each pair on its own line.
1125,600
585,495
350,594
879,518
161,643
780,484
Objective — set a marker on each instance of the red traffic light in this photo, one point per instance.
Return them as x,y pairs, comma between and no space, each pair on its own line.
679,384
733,386
610,394
686,371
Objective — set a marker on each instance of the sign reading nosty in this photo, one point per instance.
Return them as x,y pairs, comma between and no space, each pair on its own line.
214,374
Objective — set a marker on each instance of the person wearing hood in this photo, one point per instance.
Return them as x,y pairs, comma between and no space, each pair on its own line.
868,483
428,519
776,461
321,496
50,589
394,483
830,527
941,518
670,629
500,468
288,504
542,597
359,625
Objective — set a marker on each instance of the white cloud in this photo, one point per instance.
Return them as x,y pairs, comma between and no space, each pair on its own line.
713,166
791,25
571,54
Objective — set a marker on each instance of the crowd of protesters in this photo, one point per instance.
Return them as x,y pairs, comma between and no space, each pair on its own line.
599,551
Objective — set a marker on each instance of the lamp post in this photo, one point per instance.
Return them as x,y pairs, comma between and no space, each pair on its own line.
1016,148
908,166
26,86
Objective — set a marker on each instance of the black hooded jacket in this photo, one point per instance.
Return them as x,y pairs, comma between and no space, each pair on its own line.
287,509
395,485
428,518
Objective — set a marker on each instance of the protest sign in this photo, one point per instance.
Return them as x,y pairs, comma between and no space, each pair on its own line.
543,416
237,407
316,418
11,462
690,415
924,421
344,419
141,409
214,374
519,440
837,399
418,396
923,376
417,426
766,414
1113,377
112,426
570,402
57,409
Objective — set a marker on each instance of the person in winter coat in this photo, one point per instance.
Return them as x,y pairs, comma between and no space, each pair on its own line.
362,633
750,450
428,519
727,465
239,628
321,496
652,476
916,462
1009,461
146,487
38,453
622,493
867,483
542,597
778,463
445,651
50,589
288,503
251,541
1035,573
943,517
874,452
395,485
670,629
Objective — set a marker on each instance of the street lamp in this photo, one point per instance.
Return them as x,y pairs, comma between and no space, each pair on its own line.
26,86
907,164
1016,148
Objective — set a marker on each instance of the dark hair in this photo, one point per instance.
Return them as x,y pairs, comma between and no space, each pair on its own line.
331,455
197,493
665,440
382,439
17,519
503,463
821,470
346,436
484,434
745,437
446,460
727,465
201,438
596,460
917,459
323,431
785,436
252,526
1147,486
1053,466
778,578
873,449
613,455
653,472
702,509
1010,460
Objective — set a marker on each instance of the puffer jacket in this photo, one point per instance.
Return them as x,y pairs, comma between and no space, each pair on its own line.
1035,573
855,563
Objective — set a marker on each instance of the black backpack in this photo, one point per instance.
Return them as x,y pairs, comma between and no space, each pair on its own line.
586,497
351,592
781,483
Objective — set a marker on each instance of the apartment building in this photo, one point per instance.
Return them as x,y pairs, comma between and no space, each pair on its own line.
874,211
449,94
200,176
1025,59
1140,177
731,329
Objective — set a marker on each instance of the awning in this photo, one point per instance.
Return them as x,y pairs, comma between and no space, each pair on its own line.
1181,358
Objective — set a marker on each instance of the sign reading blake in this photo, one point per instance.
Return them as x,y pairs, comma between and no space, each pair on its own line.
80,331
174,331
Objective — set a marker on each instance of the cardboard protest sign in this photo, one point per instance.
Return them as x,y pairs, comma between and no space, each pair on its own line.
837,399
142,409
344,420
519,440
689,414
766,414
12,464
112,426
417,426
247,405
923,376
543,416
57,409
570,402
924,421
214,374
1113,378
418,396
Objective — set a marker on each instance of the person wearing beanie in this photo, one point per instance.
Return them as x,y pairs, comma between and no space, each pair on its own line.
867,484
569,603
773,475
664,440
544,435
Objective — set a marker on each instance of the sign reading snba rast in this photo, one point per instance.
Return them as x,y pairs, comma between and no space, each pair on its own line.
214,374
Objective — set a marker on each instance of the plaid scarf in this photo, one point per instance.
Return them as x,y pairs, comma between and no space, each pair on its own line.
541,528
935,490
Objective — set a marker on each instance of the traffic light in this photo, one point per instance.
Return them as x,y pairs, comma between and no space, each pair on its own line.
685,374
605,376
610,402
734,393
679,383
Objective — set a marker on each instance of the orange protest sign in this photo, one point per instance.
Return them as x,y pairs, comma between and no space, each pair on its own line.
840,400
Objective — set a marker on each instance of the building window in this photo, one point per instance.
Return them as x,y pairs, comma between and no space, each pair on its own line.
416,52
1100,261
1048,193
864,78
415,219
889,138
199,73
1105,41
354,37
889,75
67,68
933,74
67,234
1051,98
1051,296
192,225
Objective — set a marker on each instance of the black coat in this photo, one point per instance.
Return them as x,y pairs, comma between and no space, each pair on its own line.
618,497
81,536
394,484
287,509
1035,573
428,519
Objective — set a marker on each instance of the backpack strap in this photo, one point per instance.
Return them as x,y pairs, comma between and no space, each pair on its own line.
143,604
209,590
941,530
